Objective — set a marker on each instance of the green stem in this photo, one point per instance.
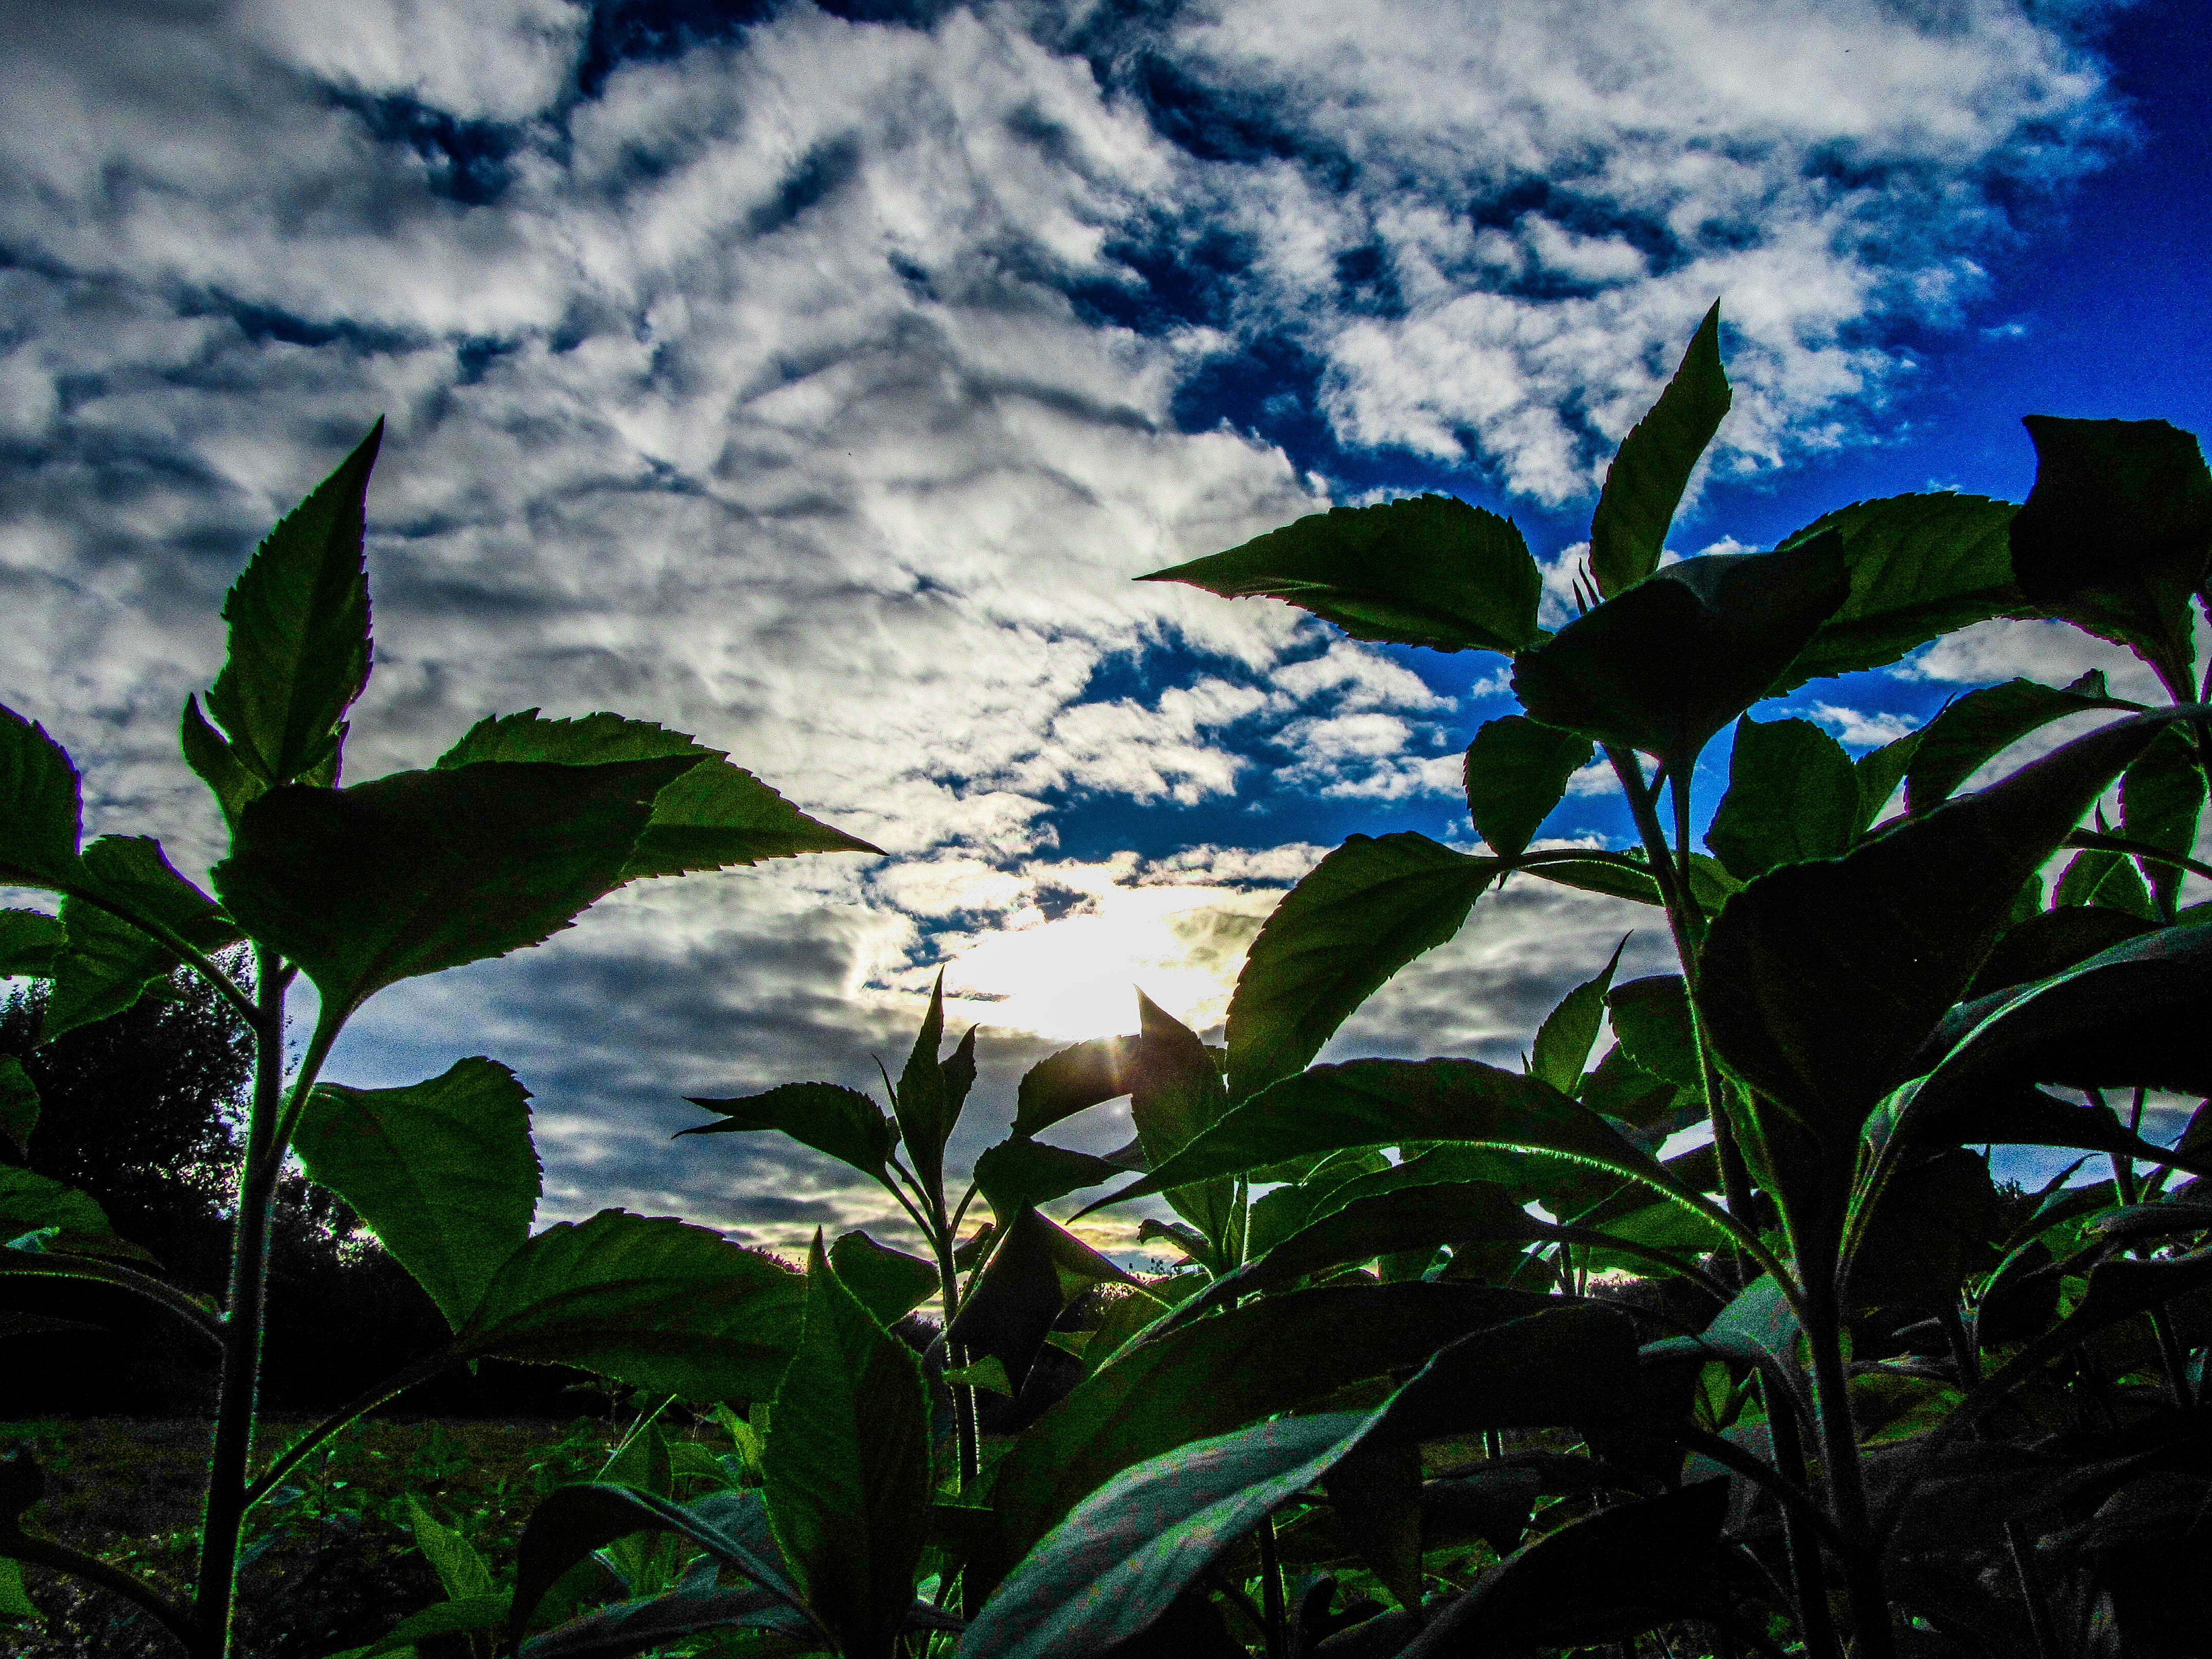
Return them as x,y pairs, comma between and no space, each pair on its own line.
238,1398
167,1296
1275,1625
1840,1456
1806,1579
963,1397
1966,1362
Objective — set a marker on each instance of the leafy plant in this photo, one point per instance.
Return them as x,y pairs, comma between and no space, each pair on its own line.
511,834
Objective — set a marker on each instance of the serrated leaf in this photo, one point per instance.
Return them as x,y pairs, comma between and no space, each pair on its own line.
890,1284
670,1307
1644,484
1879,772
1425,570
421,872
298,630
842,1122
1664,666
1651,1018
2105,878
709,818
443,1171
106,963
2116,536
31,1202
1516,771
1018,1173
1563,1041
1921,567
1072,1080
1977,727
29,941
1793,794
40,812
846,1465
1358,916
209,753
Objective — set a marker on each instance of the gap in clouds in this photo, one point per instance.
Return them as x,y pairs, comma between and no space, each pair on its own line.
815,379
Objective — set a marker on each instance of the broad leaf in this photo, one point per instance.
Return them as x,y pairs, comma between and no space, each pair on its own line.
1427,570
1563,1041
1793,795
890,1284
29,941
846,1465
1921,567
842,1122
1362,913
654,1622
30,1203
2052,941
209,753
931,1091
19,1105
1651,1018
1072,1080
1879,772
1664,665
40,809
1516,771
670,1308
443,1171
298,631
469,1616
107,963
711,816
1175,1092
1015,1303
1220,1374
1644,484
1019,1173
2117,535
2161,798
461,1571
423,870
1979,725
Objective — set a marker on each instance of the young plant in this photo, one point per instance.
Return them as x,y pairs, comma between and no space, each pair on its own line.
503,841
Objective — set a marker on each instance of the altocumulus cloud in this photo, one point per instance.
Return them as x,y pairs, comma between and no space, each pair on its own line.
816,385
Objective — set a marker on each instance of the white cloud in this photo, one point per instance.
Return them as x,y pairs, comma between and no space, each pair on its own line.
1857,728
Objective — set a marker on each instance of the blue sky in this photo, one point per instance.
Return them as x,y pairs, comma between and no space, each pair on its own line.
815,380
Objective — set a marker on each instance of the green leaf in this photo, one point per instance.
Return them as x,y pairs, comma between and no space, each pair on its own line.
1664,665
1174,1092
1387,1103
39,810
19,1105
1358,916
31,1202
1427,570
1619,1088
298,631
1793,794
1563,1040
846,1465
421,872
29,941
1012,1308
1516,772
2161,798
106,963
670,1307
652,1623
1651,1018
209,753
1220,1374
1644,484
1613,877
2104,878
460,1570
2117,535
448,1618
1976,728
1921,567
443,1171
16,1607
1820,982
1879,772
711,816
842,1122
1072,1080
1018,1173
2052,941
931,1091
890,1284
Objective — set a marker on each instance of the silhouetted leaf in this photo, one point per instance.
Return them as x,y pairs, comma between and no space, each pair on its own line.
1018,1173
1651,1018
668,1307
1921,567
2161,798
1563,1041
2117,535
1075,1079
842,1122
29,941
39,810
1424,570
1879,772
19,1104
1973,730
710,817
443,1171
1792,795
299,632
1644,483
2050,942
30,1202
890,1284
1666,664
423,870
846,1465
106,963
2105,879
1015,1303
1176,1092
931,1091
1516,771
1362,913
630,1627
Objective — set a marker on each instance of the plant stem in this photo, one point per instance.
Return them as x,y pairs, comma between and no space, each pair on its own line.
963,1397
225,1512
1271,1589
1806,1579
1967,1361
1839,1455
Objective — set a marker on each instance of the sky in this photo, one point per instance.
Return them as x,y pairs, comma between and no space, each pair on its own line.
815,380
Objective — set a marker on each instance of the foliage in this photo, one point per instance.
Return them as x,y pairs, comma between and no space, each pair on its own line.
1457,1358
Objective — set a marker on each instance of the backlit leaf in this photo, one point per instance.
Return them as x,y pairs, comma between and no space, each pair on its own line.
1793,794
2161,798
890,1284
1072,1080
1516,771
1644,484
1563,1041
29,941
1973,731
830,1118
1175,1092
1018,1173
1651,1018
107,963
30,1202
40,809
1424,570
